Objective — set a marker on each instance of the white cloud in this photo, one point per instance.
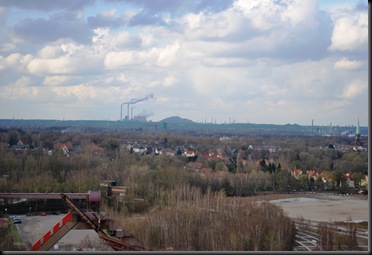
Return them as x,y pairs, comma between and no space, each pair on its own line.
170,81
267,14
22,82
304,80
167,82
124,40
64,58
50,51
345,63
81,92
274,90
335,104
120,59
211,82
7,47
350,33
353,89
2,63
55,80
15,60
161,57
148,40
122,77
162,99
61,65
20,89
167,55
263,15
302,12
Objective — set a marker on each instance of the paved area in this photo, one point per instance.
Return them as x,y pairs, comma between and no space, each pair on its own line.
326,208
34,227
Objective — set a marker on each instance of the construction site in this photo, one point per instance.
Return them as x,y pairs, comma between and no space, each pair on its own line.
67,230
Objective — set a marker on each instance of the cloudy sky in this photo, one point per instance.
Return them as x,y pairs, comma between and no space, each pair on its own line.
263,61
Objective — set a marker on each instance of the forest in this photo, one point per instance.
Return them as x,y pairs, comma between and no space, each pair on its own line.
180,206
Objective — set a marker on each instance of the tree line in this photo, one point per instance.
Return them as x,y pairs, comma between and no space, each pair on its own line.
183,209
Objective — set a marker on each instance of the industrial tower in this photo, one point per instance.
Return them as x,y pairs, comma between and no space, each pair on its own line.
132,101
357,135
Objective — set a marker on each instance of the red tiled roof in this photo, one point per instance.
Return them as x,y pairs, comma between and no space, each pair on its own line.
63,146
349,176
190,153
212,156
296,171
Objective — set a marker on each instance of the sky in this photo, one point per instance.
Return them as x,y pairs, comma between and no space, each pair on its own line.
219,61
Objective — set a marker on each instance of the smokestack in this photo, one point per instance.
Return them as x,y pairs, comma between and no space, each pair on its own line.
312,126
133,101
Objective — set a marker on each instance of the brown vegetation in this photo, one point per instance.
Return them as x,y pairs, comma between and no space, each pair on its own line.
188,220
6,240
331,240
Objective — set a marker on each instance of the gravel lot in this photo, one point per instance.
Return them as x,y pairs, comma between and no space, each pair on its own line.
326,208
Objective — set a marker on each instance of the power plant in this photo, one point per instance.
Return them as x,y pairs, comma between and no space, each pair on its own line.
132,101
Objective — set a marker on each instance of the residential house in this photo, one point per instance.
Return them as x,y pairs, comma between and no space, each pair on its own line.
196,166
270,148
312,174
139,150
349,180
364,181
190,153
211,156
20,145
64,149
326,178
296,173
225,139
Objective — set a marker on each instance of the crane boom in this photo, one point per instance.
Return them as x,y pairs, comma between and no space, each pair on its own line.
122,243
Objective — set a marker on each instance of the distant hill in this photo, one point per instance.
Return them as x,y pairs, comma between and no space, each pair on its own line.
177,120
175,124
